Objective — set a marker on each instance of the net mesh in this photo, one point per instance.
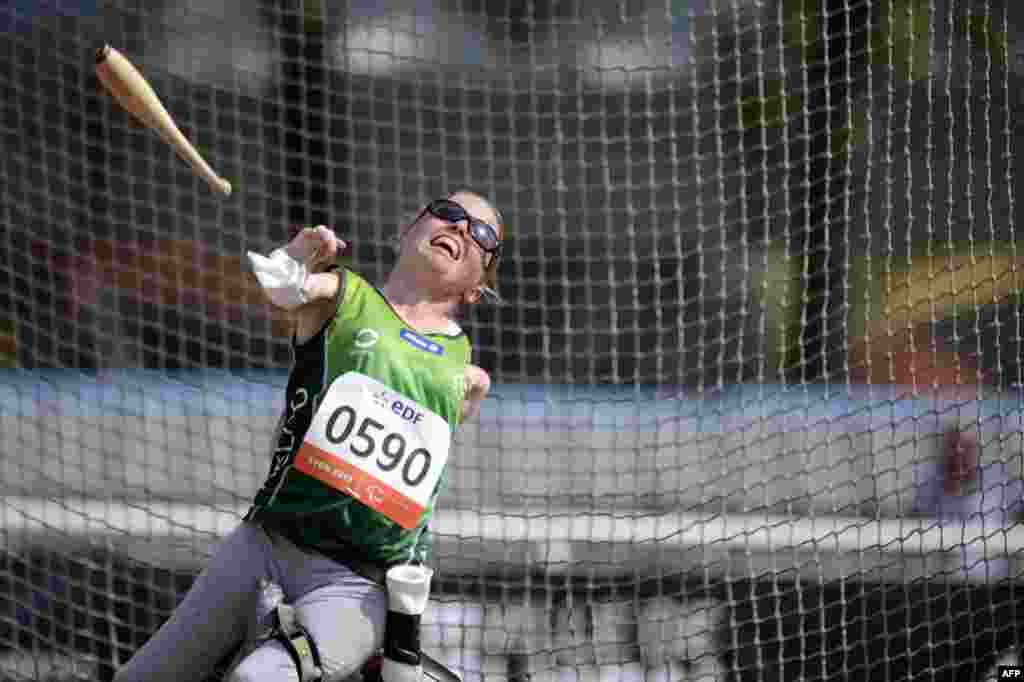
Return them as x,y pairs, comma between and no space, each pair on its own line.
761,279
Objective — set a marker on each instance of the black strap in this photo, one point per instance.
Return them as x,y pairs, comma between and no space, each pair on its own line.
402,638
299,644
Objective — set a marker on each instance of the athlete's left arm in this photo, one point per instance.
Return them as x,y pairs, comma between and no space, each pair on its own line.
478,384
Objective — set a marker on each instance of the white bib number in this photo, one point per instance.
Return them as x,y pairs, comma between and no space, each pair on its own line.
374,444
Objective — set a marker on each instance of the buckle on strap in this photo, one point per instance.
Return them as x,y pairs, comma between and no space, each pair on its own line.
297,642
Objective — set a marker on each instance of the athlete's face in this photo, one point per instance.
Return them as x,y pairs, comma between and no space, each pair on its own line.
447,251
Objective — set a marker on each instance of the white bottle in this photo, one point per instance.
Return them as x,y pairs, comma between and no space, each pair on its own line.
408,592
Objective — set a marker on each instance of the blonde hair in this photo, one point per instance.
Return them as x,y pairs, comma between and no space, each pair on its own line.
490,278
491,273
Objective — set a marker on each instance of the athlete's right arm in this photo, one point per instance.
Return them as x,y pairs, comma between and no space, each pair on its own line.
314,290
319,248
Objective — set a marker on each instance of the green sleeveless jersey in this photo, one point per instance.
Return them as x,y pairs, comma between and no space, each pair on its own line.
368,337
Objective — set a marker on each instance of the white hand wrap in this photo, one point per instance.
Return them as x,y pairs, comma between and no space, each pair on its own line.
281,276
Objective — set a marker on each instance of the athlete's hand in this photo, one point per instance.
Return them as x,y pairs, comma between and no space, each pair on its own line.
316,247
478,385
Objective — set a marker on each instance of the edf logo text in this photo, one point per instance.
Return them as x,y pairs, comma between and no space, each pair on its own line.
406,412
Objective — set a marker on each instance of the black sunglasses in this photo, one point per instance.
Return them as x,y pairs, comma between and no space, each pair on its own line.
484,234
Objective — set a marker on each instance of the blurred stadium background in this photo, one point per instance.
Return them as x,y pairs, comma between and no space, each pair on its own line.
763,255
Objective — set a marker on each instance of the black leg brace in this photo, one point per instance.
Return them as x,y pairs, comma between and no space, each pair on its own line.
297,642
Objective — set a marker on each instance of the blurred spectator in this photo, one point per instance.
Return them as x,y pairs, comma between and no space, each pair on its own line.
18,15
218,43
916,356
8,342
659,639
956,487
163,304
678,639
386,39
468,637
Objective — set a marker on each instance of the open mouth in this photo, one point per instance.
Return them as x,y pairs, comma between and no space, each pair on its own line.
448,245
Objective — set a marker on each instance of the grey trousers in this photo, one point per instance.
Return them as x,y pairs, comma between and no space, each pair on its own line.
343,612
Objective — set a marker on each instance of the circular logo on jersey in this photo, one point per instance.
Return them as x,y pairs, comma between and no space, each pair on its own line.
367,338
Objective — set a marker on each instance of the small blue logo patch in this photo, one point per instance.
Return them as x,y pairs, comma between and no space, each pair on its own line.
421,343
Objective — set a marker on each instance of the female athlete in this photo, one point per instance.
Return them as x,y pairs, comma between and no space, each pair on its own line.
381,378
